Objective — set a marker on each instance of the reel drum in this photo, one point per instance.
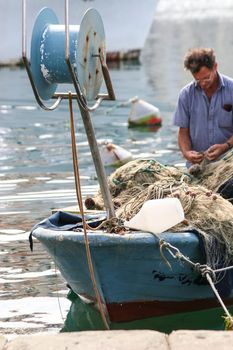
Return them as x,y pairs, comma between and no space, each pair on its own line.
48,46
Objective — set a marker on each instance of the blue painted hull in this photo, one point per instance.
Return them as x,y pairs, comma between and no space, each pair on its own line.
132,277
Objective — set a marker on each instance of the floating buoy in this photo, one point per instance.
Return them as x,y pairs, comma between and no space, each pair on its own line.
143,113
113,155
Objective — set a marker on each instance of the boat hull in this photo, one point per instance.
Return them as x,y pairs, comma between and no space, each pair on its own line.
133,279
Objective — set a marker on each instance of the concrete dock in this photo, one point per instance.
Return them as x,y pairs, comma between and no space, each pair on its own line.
122,340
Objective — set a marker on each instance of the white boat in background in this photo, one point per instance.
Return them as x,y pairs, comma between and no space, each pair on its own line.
178,26
126,23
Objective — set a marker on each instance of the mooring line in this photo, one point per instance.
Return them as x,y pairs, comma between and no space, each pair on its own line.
204,270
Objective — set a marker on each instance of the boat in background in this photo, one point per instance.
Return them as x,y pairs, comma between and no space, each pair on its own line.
127,24
178,26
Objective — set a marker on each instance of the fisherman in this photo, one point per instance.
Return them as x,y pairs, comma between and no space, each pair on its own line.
204,113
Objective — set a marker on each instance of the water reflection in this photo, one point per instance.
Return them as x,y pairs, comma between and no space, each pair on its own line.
28,284
147,128
17,317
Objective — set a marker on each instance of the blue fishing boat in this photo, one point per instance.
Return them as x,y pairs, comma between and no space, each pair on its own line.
140,284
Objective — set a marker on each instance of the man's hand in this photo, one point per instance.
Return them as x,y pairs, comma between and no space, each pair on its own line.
185,147
213,152
194,157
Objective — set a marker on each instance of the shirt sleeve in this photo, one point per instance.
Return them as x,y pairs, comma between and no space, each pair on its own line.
181,116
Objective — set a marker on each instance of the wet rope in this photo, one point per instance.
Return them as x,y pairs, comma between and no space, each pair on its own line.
204,270
79,198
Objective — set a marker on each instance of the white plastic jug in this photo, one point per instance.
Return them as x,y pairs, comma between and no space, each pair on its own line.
157,215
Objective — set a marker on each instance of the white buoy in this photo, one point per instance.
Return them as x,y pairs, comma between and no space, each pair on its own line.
113,155
157,215
143,113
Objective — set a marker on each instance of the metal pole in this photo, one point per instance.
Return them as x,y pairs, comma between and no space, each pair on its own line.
99,167
24,29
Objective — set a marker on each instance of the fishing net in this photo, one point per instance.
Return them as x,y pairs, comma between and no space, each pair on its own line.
205,210
132,178
214,174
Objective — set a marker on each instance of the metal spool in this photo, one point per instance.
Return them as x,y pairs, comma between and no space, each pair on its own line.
48,61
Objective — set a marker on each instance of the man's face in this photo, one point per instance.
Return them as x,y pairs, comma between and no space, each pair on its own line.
206,77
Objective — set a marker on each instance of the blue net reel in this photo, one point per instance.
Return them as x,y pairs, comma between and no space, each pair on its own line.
48,61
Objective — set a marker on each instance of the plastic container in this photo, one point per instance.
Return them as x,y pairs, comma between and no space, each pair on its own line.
157,215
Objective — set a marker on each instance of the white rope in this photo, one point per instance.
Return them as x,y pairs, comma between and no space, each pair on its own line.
209,279
205,271
224,269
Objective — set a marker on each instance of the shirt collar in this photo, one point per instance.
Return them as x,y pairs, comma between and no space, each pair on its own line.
221,81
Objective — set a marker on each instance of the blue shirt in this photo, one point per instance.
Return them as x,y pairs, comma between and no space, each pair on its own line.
208,122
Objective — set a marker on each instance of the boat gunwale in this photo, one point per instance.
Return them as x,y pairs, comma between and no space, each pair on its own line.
99,237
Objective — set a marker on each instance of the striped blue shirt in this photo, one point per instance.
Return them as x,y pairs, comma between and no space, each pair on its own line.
209,122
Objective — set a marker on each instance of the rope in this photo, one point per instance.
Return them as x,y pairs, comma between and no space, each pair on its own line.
56,282
112,225
224,269
209,279
79,198
205,271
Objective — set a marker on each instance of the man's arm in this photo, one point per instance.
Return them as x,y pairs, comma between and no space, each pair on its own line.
185,147
217,150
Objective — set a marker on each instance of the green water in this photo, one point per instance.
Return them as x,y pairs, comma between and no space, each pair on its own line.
83,316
